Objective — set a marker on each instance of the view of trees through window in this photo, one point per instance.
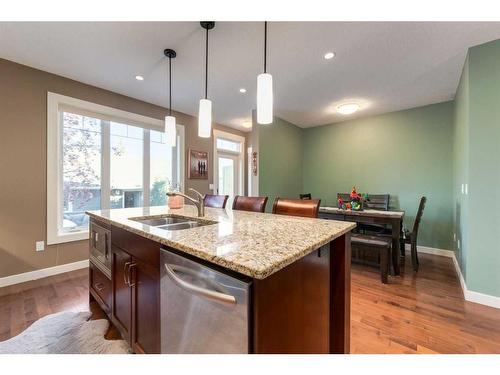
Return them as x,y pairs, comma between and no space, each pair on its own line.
82,158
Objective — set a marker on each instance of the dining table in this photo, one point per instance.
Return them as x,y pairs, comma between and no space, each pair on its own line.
391,218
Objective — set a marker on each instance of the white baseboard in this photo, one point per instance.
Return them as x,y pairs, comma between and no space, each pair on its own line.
433,251
39,274
472,296
469,295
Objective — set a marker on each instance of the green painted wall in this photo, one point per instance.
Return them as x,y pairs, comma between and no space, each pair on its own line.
406,154
483,253
280,160
460,168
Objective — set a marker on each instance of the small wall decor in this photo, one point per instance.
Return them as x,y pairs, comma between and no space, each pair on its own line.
254,163
198,165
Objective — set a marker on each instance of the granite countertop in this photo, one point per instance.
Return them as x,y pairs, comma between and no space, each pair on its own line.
253,244
366,212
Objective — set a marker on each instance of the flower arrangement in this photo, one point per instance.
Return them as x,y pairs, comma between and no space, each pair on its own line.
355,203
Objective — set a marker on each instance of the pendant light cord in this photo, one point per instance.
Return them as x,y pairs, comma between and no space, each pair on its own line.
206,66
265,47
170,86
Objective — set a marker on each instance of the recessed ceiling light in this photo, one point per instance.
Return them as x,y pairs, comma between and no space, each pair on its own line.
329,55
348,108
139,78
243,90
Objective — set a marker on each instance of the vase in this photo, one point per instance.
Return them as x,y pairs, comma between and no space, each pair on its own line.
175,202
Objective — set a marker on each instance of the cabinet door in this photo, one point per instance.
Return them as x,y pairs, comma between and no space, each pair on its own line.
122,292
145,281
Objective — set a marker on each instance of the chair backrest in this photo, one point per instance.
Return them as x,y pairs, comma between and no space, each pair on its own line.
378,202
346,197
254,204
418,218
296,207
215,201
305,196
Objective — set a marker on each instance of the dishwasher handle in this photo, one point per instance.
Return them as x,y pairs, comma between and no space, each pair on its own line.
207,293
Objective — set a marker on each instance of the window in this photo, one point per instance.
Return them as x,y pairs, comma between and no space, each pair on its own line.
99,158
228,145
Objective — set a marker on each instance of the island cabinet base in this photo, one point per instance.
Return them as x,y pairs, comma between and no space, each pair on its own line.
305,307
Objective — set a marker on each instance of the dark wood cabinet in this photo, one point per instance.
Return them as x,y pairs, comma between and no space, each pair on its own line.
136,292
122,293
145,308
100,287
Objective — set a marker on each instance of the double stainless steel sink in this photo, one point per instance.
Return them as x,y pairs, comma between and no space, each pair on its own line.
173,222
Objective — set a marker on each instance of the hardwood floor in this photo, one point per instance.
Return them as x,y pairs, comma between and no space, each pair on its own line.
420,312
414,313
23,304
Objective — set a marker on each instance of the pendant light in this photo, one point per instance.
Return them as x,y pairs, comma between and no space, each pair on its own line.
170,128
205,110
265,90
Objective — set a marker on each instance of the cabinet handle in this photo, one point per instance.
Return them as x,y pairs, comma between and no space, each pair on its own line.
106,249
132,266
125,274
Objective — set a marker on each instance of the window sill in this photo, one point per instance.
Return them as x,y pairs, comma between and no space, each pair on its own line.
67,237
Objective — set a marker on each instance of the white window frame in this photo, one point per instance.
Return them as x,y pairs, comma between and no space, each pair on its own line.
55,104
241,159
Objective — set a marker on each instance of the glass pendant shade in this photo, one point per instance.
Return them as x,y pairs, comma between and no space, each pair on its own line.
264,98
170,131
205,118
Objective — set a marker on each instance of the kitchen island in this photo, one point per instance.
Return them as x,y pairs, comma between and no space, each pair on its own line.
297,272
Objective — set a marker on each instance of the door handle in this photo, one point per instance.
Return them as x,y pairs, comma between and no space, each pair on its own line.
207,293
132,266
106,248
126,279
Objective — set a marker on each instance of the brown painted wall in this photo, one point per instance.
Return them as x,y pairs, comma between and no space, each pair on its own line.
23,185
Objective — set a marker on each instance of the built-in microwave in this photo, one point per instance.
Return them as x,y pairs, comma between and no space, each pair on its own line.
100,247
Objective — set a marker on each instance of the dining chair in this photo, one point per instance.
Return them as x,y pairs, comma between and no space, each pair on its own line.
411,237
305,196
376,202
296,207
215,201
253,204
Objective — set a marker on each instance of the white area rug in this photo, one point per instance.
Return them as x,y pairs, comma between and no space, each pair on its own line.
65,333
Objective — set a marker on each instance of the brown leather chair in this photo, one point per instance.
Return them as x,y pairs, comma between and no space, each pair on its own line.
254,204
215,201
296,207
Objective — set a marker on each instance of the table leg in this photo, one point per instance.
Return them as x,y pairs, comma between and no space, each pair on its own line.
396,246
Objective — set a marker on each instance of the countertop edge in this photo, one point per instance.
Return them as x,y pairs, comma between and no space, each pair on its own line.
244,270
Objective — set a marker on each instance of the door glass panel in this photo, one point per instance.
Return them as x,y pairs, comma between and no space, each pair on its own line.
226,176
126,145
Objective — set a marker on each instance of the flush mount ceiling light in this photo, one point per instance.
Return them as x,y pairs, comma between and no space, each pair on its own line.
348,108
265,90
329,55
139,78
170,128
243,90
205,110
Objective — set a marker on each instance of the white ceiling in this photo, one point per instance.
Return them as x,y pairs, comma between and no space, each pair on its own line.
384,66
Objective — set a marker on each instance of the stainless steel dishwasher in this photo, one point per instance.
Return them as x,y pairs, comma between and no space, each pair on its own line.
202,310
